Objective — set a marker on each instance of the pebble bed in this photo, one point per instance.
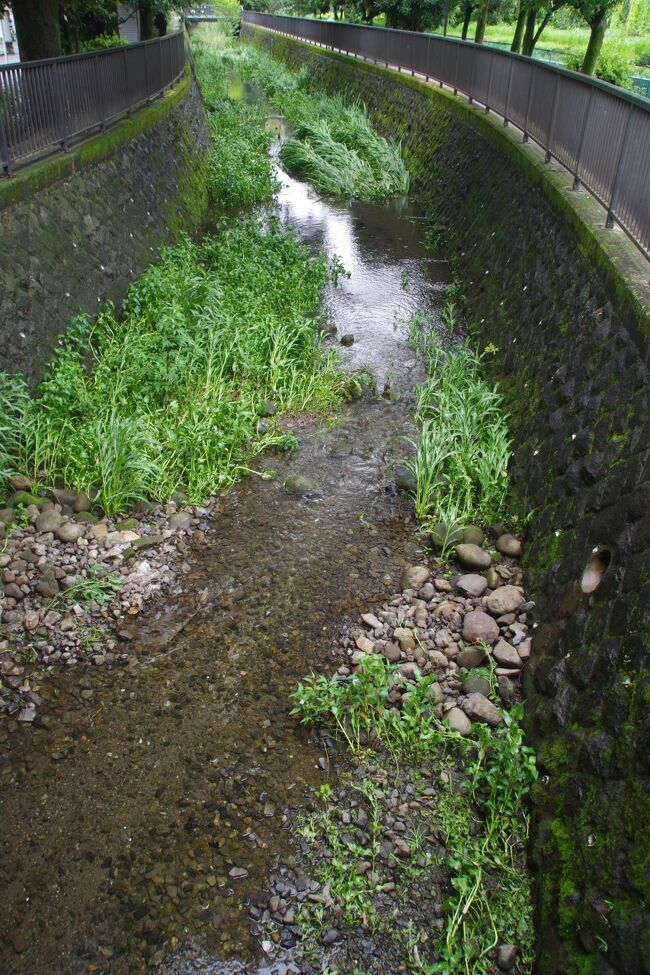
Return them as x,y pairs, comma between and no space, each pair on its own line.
46,557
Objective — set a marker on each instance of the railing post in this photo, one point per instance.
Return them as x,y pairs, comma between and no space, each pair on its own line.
528,104
489,87
613,200
98,94
576,175
551,124
146,73
5,156
470,94
442,64
507,105
127,90
59,92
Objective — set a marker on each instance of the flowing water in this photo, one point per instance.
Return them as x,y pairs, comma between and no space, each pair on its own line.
130,811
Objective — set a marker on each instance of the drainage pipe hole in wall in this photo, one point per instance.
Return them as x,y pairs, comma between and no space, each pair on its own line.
596,569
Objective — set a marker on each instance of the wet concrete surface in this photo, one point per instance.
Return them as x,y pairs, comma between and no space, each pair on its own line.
140,819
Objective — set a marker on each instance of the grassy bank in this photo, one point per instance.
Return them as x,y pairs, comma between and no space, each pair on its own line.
175,386
334,145
240,172
574,40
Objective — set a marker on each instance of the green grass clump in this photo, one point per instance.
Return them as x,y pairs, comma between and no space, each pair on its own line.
340,154
480,813
169,395
239,169
334,145
462,455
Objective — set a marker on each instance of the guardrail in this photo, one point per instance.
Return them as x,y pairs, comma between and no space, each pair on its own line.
600,133
48,106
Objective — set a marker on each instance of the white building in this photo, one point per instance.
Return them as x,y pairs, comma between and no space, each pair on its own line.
128,17
8,41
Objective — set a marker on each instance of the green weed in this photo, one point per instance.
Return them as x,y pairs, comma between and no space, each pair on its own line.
169,395
93,588
461,458
480,814
240,170
333,145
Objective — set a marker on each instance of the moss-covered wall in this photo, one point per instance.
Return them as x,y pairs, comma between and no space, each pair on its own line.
78,228
547,285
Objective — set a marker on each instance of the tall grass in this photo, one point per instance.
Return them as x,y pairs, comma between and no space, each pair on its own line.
334,145
462,454
240,171
175,387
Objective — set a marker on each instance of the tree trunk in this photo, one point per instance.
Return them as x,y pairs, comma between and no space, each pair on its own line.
37,28
542,27
519,30
481,21
146,21
596,38
529,33
469,10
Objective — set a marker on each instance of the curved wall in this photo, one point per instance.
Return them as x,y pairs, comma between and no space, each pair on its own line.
77,229
545,285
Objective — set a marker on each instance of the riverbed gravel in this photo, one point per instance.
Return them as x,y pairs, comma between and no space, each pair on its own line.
70,579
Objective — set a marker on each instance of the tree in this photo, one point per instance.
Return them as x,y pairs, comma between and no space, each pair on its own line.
517,40
37,28
481,21
529,29
467,8
414,15
596,13
82,20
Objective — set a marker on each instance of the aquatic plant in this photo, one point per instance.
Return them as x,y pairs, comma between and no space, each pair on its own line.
169,394
334,145
239,168
462,453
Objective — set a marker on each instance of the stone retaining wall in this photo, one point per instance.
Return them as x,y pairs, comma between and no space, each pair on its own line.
552,290
77,229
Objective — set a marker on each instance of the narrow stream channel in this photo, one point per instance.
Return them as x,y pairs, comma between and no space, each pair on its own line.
145,839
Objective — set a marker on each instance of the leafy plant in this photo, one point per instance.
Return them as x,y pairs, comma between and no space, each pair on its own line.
462,454
170,395
94,587
333,144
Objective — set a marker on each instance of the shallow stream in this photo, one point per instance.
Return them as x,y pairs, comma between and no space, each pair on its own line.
143,818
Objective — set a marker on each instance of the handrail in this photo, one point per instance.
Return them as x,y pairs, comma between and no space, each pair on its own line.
599,132
50,105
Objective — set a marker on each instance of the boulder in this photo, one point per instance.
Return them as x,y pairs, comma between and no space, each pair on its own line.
48,521
477,625
458,721
70,531
479,708
301,486
473,557
470,657
415,577
472,585
508,545
505,599
506,655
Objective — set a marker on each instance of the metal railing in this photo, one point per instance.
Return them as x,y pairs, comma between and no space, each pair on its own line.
600,133
48,106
